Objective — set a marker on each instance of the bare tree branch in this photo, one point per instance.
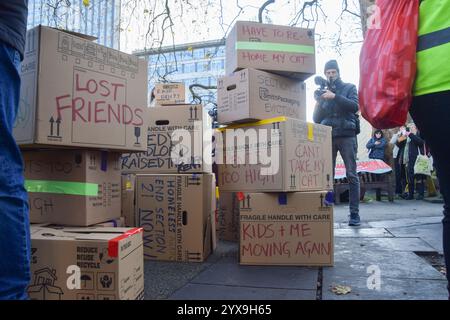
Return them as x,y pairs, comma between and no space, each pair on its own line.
263,7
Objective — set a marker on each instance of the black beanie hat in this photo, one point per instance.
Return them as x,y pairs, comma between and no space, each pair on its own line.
332,64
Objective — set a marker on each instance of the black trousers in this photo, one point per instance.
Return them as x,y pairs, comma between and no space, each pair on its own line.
431,113
400,177
414,181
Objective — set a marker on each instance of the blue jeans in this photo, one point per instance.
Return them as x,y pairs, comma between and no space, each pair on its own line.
348,148
14,220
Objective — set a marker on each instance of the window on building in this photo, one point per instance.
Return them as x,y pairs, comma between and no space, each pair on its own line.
169,57
203,81
161,71
212,81
189,67
199,53
202,66
217,65
154,58
187,55
221,52
179,55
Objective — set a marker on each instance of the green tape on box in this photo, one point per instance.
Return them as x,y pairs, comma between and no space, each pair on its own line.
62,187
271,46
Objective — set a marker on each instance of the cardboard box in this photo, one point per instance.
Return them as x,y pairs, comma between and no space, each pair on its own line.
227,227
169,93
72,187
114,223
177,215
286,229
288,51
76,93
251,94
86,264
190,121
128,199
303,161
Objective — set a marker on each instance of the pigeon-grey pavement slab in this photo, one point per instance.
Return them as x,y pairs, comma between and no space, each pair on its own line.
362,233
163,278
229,272
379,244
219,292
430,233
389,289
353,262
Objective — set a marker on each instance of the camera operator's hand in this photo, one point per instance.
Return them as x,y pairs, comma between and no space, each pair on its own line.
328,95
317,94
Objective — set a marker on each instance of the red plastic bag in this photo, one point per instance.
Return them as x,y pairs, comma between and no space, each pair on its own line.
388,64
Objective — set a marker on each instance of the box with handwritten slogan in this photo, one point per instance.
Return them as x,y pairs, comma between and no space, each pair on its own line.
275,155
294,228
284,50
179,141
77,93
177,213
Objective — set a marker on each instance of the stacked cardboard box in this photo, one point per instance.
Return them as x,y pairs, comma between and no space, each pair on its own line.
65,125
174,188
275,171
97,263
170,93
81,106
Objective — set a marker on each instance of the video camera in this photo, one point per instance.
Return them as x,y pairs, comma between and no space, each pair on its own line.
324,86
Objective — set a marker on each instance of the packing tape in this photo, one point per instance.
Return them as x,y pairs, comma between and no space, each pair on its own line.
273,46
113,244
104,161
282,199
329,198
128,185
62,187
251,124
310,132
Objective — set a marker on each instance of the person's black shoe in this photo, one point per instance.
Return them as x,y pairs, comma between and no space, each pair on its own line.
409,197
355,220
420,197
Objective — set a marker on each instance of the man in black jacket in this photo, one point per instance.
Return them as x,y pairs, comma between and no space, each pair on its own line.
14,221
337,108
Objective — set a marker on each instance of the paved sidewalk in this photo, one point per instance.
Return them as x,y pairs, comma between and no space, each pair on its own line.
393,239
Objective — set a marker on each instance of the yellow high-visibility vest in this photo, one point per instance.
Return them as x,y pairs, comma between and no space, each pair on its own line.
433,48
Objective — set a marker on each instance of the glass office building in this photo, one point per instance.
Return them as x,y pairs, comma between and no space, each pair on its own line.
193,63
100,19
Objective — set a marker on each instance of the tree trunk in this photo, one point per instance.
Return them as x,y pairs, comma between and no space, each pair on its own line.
364,4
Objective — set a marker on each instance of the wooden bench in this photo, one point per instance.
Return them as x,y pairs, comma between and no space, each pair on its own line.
368,181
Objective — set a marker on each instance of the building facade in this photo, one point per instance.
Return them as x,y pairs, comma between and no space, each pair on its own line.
101,18
194,63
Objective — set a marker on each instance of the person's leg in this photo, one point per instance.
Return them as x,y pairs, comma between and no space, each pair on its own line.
430,112
14,222
398,177
347,148
411,181
420,185
334,153
403,181
333,158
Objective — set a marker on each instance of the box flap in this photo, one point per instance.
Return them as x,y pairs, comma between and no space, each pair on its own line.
77,34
